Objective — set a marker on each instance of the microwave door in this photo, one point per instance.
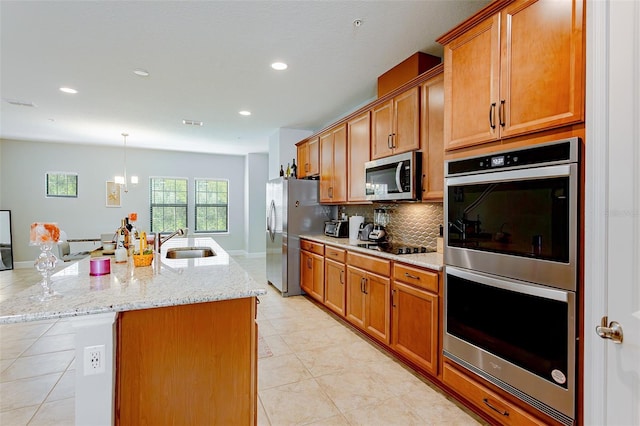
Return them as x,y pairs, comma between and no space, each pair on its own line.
399,185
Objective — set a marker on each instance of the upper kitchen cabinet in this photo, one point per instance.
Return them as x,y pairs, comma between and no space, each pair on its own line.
431,134
358,148
395,125
308,157
518,71
333,165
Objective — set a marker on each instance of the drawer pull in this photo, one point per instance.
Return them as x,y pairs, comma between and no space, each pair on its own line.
497,410
408,275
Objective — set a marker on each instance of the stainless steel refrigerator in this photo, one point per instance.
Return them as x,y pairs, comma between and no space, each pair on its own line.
292,209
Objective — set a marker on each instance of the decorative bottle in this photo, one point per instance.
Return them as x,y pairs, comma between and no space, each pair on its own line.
294,169
281,171
288,172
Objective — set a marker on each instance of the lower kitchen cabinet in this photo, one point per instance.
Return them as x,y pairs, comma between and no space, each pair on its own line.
415,316
189,364
499,409
312,269
414,331
335,280
368,295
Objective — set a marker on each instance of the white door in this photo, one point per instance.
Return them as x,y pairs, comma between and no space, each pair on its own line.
612,210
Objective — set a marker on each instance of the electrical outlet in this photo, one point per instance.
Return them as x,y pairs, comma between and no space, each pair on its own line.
94,360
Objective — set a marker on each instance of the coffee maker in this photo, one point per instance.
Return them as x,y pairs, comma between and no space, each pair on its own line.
380,221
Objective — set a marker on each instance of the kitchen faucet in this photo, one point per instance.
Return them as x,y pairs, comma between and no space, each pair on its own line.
461,227
158,241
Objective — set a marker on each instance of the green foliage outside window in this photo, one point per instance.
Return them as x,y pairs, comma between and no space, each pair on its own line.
168,204
60,184
212,205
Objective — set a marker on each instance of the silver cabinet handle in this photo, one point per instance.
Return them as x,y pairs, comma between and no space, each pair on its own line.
497,410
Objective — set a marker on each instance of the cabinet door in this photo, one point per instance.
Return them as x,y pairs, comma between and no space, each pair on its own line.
548,91
339,169
432,138
317,290
303,159
358,149
306,272
335,286
326,167
406,122
355,296
414,333
381,130
377,294
313,156
471,84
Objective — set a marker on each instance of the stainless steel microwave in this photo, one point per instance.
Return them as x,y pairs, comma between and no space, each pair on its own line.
394,178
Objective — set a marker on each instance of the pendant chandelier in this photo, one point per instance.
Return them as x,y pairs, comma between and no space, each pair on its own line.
122,180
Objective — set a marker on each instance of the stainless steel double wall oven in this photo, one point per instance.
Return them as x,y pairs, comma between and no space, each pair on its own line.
511,274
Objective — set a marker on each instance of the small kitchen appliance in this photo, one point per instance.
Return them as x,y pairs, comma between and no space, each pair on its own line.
336,228
365,229
380,221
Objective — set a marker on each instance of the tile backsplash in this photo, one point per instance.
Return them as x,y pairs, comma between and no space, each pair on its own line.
409,223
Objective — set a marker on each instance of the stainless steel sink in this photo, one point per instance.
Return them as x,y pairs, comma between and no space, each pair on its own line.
189,252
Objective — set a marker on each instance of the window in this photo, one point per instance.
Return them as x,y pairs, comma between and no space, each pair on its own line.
212,205
168,204
61,184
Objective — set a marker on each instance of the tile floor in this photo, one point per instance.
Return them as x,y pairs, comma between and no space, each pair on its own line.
320,371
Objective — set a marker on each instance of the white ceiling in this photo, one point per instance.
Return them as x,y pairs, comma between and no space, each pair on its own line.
207,61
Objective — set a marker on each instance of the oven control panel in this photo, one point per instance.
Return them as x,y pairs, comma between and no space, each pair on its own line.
557,152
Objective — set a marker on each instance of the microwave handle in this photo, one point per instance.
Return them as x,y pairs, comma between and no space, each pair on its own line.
398,174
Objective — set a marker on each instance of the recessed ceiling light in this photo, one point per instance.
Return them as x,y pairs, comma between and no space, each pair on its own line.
244,112
68,90
279,66
140,72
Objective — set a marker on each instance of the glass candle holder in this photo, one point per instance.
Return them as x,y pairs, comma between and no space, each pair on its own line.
45,235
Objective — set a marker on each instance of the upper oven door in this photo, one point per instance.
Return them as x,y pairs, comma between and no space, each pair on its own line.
516,223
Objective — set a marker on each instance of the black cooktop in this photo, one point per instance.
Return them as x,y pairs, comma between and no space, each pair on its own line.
387,247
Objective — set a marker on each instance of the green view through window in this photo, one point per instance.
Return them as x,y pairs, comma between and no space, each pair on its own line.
168,204
212,205
61,184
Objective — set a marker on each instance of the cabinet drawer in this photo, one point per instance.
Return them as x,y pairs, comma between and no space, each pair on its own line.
333,253
489,402
369,263
415,276
313,247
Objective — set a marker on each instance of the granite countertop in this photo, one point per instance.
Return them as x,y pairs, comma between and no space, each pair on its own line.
168,282
424,260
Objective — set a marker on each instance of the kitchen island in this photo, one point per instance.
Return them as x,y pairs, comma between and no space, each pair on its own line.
179,338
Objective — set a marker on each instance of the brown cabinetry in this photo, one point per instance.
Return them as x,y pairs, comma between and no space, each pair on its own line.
358,153
368,295
308,152
312,269
499,409
519,71
333,165
178,364
432,136
414,301
335,279
395,125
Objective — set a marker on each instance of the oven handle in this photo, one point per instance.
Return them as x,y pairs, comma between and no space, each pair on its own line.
562,170
511,285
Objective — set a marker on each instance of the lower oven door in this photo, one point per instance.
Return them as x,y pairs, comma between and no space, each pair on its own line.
517,335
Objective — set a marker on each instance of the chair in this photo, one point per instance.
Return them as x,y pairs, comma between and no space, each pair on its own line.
64,250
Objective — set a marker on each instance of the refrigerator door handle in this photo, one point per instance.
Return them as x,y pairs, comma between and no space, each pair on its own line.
271,220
